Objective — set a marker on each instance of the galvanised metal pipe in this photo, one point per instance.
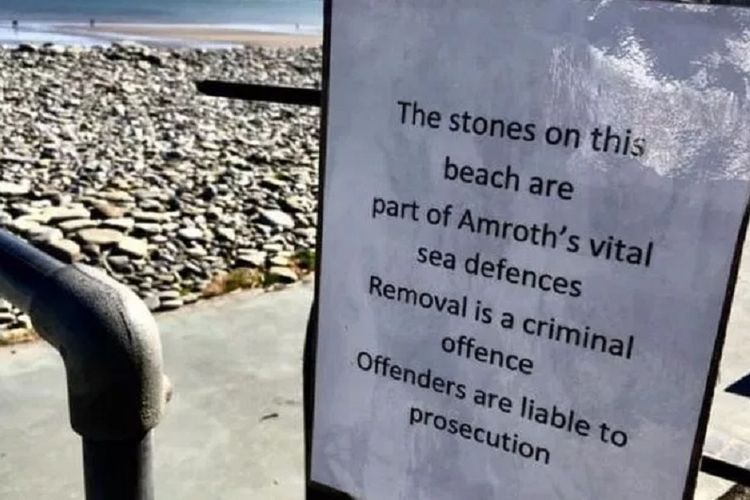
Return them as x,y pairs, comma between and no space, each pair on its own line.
111,349
22,269
119,470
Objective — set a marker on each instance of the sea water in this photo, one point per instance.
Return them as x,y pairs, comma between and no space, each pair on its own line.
38,18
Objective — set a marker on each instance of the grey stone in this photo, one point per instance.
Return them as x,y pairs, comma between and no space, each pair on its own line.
23,226
277,218
104,210
120,264
297,203
91,250
142,216
115,196
14,189
26,48
7,318
273,183
45,234
23,321
152,301
308,233
171,304
134,247
169,295
282,275
123,224
196,252
191,298
61,214
280,261
70,226
190,233
34,215
251,259
148,228
102,237
227,234
273,247
65,250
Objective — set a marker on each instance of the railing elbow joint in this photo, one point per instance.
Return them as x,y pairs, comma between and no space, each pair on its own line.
111,350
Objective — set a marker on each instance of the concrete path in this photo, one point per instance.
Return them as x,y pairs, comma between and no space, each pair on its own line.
729,427
234,428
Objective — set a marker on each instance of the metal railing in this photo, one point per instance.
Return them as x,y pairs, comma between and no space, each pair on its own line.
111,350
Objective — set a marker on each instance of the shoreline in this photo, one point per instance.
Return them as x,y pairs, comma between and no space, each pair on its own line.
261,35
159,34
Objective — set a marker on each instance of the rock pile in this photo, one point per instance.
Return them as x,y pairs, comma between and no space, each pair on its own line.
108,156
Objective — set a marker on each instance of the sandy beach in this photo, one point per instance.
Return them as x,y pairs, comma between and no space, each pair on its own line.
195,33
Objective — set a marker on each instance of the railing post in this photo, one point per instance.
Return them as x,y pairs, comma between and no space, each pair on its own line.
119,470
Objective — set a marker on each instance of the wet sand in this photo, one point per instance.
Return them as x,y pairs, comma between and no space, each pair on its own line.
196,33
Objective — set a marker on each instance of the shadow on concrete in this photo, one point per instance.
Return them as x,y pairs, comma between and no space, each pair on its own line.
741,387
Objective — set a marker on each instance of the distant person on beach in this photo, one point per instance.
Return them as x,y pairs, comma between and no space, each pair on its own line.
92,23
15,25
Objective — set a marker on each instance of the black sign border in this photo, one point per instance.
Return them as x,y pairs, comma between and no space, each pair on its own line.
317,491
314,490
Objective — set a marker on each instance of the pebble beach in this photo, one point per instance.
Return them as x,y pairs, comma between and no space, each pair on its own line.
110,157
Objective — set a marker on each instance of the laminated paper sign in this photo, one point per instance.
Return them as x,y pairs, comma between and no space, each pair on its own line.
532,211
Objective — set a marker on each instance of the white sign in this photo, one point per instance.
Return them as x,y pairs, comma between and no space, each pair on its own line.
530,215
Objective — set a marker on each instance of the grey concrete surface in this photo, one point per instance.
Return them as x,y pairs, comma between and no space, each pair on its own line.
729,427
234,427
